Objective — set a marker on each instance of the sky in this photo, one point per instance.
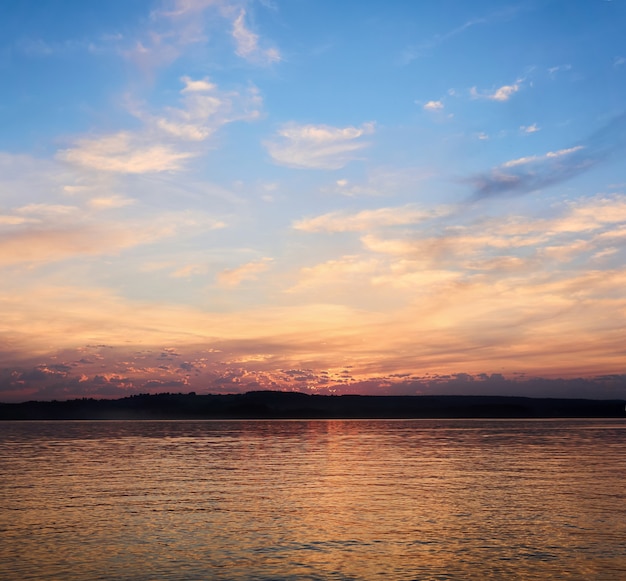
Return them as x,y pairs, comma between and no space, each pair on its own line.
222,196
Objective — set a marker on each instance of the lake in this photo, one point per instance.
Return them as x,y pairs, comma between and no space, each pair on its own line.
324,499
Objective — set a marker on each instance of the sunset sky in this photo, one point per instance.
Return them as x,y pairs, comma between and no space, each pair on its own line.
333,197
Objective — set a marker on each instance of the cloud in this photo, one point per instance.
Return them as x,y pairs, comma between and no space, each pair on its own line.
8,220
356,277
205,109
44,245
53,232
166,141
504,93
189,270
416,51
337,275
170,32
36,179
433,106
591,214
250,373
412,53
111,202
179,24
198,85
423,263
537,321
516,273
405,275
381,181
124,152
530,128
532,173
47,211
175,8
558,69
235,276
317,146
342,221
248,43
577,231
71,317
512,293
551,155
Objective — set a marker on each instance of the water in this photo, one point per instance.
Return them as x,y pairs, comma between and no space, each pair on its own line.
261,500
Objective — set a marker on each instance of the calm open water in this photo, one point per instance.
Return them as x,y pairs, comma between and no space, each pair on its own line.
261,500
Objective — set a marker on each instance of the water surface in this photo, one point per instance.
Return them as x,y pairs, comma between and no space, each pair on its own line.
325,499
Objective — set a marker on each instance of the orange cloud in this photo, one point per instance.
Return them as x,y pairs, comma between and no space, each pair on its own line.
235,276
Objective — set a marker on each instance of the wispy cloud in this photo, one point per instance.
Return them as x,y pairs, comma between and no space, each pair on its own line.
421,49
534,172
317,146
124,152
180,24
111,202
189,270
175,8
248,43
381,181
528,129
414,52
165,142
340,274
235,276
503,93
558,69
205,108
539,158
44,233
513,242
366,220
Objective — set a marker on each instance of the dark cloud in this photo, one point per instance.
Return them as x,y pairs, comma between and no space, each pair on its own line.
57,380
44,372
536,172
59,367
600,387
299,375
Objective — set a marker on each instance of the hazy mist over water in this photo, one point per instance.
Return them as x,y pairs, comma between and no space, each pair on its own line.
326,499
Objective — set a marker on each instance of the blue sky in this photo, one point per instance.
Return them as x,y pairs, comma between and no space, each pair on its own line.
221,195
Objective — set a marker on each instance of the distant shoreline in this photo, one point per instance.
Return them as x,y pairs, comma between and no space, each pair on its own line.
296,405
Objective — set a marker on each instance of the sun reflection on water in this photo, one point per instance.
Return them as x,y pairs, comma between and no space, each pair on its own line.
313,500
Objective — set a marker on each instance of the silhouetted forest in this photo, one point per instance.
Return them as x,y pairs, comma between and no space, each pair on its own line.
294,405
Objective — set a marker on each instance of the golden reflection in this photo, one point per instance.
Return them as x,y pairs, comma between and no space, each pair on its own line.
312,499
